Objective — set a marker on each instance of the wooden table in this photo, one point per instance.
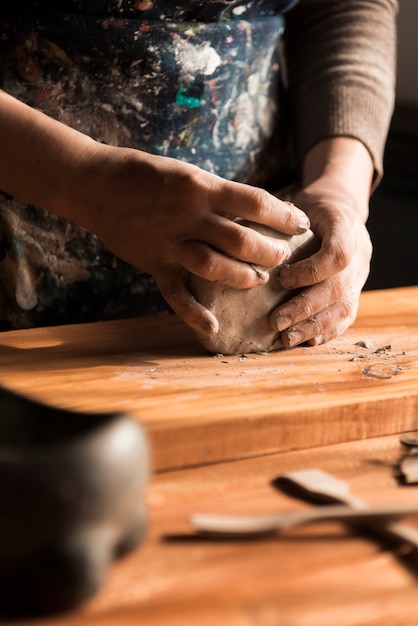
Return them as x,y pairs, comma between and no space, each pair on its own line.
221,429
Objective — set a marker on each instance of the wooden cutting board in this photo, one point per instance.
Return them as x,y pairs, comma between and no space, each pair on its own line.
318,575
200,408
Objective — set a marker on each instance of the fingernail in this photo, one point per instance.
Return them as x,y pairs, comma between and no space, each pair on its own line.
294,337
283,254
282,322
317,341
208,328
304,225
262,275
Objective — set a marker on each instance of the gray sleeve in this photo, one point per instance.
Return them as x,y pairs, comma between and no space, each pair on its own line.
341,58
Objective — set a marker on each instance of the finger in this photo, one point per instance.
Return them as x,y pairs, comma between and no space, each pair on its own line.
308,302
338,247
331,333
174,291
328,261
244,243
321,327
205,262
258,205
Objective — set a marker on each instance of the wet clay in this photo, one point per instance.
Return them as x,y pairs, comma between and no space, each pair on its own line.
243,314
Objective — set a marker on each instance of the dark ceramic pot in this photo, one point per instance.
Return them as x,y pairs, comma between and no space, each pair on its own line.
71,501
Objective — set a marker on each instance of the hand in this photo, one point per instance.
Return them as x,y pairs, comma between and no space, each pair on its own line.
336,274
165,216
159,214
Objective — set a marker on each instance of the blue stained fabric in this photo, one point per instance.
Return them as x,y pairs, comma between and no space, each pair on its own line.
198,81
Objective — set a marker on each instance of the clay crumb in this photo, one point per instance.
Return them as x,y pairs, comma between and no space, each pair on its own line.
383,349
382,371
364,343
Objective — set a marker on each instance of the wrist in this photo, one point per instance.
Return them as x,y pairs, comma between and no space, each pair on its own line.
84,192
340,168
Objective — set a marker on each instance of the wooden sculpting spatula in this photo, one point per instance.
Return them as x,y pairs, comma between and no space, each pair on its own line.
215,523
315,485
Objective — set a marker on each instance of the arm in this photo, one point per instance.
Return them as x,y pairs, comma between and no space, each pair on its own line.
341,81
341,72
338,208
161,215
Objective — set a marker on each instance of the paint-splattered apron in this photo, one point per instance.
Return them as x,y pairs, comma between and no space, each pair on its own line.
198,81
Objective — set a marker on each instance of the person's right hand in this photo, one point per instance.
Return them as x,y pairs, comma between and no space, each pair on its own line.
165,216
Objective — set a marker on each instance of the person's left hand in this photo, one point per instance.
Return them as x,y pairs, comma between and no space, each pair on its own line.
330,281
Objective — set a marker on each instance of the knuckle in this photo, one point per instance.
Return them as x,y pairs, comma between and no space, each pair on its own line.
315,325
262,202
172,293
303,306
318,340
183,181
240,237
171,288
341,255
206,264
279,255
317,275
334,331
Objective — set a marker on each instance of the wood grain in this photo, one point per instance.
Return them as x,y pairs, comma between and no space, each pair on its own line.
317,576
200,408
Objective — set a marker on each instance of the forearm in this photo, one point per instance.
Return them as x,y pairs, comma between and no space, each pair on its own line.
40,159
344,167
159,214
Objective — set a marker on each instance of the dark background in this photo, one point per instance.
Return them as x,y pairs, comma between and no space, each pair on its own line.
393,221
